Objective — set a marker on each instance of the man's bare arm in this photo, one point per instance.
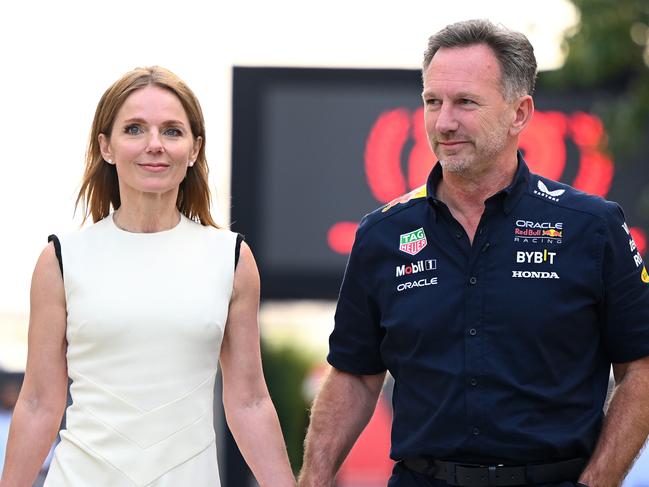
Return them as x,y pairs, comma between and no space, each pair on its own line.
341,411
625,428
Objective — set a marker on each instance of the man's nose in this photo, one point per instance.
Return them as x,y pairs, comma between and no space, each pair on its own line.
446,120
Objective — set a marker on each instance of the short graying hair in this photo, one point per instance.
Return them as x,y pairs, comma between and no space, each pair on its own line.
513,50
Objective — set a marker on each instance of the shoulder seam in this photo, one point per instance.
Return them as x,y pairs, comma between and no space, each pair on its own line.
404,206
563,206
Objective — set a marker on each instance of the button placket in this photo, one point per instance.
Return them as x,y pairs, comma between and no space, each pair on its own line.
474,342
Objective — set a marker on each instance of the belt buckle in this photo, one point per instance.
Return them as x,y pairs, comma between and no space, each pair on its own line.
476,475
492,474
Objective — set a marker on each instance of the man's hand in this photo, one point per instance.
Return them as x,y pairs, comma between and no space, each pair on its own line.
339,414
625,428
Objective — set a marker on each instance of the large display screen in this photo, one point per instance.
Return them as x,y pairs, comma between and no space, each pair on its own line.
316,149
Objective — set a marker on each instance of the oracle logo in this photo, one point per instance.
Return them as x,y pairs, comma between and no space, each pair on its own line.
398,140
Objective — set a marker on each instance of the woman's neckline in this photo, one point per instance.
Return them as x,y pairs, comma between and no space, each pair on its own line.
160,232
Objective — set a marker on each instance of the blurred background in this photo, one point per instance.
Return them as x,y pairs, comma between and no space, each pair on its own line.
313,120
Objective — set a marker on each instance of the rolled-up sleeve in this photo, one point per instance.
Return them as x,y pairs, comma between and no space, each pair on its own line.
354,344
626,292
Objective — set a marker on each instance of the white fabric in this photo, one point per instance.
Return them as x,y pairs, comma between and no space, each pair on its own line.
146,316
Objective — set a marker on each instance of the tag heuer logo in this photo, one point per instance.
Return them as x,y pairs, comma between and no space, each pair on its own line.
411,243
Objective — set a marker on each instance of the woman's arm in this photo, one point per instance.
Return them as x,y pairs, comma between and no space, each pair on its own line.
37,415
249,410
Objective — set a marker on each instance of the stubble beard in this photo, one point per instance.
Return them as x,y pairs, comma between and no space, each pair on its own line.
455,165
480,158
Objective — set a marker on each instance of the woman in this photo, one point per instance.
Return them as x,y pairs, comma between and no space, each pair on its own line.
138,308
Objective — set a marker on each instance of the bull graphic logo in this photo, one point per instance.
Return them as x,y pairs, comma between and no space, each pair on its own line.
552,233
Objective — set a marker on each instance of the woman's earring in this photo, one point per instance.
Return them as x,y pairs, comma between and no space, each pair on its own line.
109,161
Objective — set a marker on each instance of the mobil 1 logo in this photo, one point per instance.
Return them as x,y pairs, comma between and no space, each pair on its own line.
422,270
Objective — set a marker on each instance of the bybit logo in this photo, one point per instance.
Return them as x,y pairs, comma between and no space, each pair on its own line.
536,257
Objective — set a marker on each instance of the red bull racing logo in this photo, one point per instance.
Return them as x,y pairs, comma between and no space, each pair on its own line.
637,258
538,232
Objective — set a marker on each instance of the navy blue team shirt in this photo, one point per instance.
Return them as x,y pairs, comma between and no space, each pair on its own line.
500,349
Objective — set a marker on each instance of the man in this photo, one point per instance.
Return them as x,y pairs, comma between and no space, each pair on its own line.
496,298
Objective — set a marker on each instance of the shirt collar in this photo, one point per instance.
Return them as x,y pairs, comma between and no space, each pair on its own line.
508,196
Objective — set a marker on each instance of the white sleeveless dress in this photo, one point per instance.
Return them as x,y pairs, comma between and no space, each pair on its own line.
146,316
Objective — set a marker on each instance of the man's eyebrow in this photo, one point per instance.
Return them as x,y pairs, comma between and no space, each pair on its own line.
467,94
458,95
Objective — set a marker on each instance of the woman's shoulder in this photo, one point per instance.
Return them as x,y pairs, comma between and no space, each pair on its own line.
86,231
209,230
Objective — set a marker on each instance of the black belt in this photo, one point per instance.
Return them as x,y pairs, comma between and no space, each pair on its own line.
469,475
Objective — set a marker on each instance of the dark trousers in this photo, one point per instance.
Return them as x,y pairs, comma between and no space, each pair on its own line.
402,477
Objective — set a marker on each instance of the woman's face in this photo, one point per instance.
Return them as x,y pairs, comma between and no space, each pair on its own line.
151,143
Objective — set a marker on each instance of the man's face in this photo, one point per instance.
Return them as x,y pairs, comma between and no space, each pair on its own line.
466,116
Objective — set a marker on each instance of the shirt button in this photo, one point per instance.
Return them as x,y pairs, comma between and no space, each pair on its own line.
473,280
458,235
474,382
476,431
473,332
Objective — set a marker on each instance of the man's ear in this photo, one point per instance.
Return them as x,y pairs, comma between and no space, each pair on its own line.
523,114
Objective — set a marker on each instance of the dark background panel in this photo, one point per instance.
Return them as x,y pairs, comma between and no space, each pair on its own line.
298,164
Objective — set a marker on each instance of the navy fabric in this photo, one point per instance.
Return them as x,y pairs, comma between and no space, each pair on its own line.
500,349
402,477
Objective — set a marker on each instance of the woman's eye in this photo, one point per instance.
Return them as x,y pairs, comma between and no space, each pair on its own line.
172,132
132,130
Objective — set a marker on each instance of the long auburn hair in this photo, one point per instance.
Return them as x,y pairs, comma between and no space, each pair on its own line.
100,188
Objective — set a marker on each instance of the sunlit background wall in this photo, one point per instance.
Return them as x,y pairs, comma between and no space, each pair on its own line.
59,56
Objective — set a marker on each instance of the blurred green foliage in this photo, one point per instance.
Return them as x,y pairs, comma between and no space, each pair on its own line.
608,52
286,369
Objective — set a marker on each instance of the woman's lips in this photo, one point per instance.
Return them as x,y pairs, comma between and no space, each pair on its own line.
154,167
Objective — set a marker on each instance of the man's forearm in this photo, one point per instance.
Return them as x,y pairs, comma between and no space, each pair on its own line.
340,412
624,432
